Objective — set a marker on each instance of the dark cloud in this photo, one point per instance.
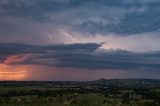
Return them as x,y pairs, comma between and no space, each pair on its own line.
124,17
16,48
78,56
47,27
138,22
38,9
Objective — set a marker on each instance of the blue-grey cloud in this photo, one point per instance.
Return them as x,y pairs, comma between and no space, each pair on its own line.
38,9
125,17
81,56
122,18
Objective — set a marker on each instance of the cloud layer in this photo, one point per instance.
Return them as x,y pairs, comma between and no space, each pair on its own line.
83,56
123,17
85,18
68,34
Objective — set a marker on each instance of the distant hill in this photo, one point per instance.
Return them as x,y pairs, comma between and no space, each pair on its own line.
127,82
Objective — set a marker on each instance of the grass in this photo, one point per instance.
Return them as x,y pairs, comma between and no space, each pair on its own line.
43,96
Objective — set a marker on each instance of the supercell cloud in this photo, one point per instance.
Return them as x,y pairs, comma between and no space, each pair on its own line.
70,34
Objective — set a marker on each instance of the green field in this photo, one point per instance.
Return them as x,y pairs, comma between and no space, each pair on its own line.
78,94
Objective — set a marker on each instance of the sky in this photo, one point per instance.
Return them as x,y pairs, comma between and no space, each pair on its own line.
47,40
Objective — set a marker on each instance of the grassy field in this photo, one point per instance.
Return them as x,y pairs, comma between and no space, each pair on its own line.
78,94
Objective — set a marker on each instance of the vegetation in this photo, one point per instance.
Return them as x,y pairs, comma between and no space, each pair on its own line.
127,92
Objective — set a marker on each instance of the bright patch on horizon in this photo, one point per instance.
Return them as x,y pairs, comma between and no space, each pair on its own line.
10,73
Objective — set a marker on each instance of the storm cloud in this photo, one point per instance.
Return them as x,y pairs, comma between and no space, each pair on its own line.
83,56
89,17
68,34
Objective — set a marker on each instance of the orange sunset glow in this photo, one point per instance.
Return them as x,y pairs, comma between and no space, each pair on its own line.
12,73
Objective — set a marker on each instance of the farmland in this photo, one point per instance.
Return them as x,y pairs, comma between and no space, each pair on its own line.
124,92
